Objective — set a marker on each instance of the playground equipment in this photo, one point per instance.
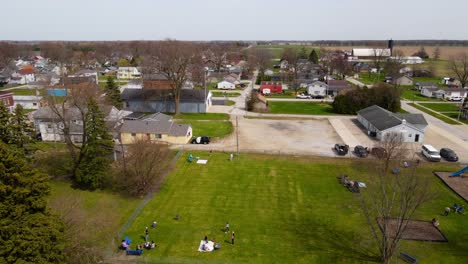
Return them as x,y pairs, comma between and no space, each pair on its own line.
460,172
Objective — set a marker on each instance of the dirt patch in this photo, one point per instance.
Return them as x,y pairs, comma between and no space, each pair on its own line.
418,230
458,184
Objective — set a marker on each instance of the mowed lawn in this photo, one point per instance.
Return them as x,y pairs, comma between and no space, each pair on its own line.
442,107
305,108
283,210
214,125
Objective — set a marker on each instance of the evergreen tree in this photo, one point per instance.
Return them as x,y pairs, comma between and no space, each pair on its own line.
29,233
5,116
113,93
21,130
95,163
313,57
302,53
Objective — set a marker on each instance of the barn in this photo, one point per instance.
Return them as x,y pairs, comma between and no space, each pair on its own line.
379,122
271,87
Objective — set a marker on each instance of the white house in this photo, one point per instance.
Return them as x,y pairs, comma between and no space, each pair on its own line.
403,80
86,73
226,85
23,76
317,89
380,122
284,64
128,73
28,101
432,92
455,94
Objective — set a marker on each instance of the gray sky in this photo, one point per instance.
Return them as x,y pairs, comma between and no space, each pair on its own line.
233,19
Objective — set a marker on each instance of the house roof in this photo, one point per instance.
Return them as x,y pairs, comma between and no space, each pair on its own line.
454,90
186,95
383,119
154,127
5,94
86,71
155,77
157,117
25,71
426,84
319,83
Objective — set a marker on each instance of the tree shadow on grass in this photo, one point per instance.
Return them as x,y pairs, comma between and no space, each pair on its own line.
335,241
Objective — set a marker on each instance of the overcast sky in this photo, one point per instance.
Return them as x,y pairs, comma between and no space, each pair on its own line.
233,19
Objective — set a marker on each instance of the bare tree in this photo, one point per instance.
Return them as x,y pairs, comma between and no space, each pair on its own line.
292,56
8,52
340,65
436,53
77,99
378,58
261,58
392,66
175,60
143,167
459,67
390,201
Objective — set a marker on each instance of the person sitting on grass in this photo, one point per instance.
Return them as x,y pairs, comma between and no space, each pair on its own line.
153,245
435,222
124,245
147,245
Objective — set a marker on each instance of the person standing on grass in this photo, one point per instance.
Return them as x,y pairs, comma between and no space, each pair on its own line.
232,237
226,229
447,211
146,234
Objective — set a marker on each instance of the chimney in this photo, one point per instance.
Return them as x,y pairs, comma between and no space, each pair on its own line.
403,121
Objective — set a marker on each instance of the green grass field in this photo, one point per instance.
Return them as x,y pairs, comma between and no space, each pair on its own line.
99,214
213,129
442,107
23,91
372,78
203,116
436,115
223,94
455,115
283,210
306,108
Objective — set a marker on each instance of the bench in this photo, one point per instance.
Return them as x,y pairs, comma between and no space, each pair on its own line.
134,252
408,258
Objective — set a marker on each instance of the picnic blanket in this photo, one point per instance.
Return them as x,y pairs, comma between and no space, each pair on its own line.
200,161
208,246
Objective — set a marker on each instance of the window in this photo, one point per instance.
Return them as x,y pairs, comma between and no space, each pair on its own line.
34,104
49,126
410,135
157,135
133,135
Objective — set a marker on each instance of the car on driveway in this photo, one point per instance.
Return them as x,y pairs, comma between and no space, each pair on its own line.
361,151
431,153
201,140
341,149
303,96
448,154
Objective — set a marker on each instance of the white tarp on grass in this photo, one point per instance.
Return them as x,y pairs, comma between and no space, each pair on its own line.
209,246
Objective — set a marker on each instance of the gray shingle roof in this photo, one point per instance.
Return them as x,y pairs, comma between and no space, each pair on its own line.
163,95
383,119
154,127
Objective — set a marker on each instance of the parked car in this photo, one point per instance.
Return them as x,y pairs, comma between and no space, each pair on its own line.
361,151
318,97
201,140
379,152
303,96
456,98
341,149
430,153
448,154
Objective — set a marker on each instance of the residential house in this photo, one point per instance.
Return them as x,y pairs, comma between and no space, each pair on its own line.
6,98
226,85
284,64
48,78
233,78
50,126
336,87
159,81
269,72
403,81
132,84
455,94
451,81
90,75
317,89
153,101
380,122
421,85
157,127
28,101
24,76
433,93
215,77
4,78
271,87
128,73
409,59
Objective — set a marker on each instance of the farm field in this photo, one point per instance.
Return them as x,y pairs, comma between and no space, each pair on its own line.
283,210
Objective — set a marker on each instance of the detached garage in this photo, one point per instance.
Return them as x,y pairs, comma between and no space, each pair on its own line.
380,122
226,85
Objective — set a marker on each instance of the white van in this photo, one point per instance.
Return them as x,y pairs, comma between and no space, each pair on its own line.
430,153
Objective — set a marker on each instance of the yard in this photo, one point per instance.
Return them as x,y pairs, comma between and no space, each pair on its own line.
23,91
372,78
442,107
223,94
434,114
413,95
283,210
214,125
305,108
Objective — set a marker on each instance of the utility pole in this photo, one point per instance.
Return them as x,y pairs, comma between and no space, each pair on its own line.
461,108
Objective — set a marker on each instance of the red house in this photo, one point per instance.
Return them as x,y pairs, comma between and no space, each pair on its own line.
7,99
271,87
